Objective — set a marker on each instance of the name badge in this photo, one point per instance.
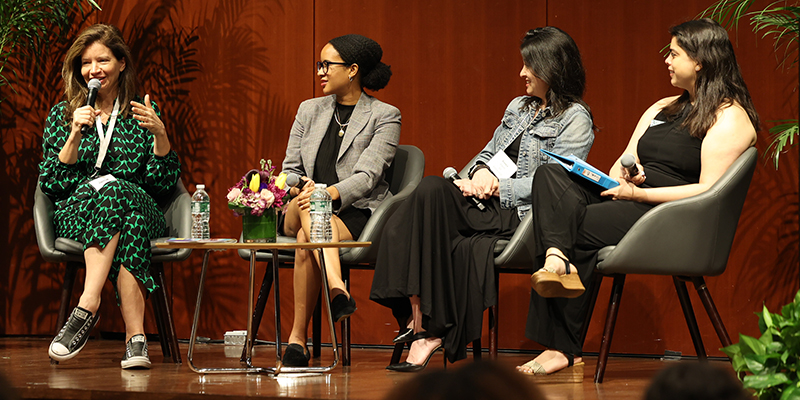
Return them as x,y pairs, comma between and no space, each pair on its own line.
98,183
501,165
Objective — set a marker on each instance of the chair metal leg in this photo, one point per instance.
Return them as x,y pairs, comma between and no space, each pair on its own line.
711,310
158,312
493,332
597,281
261,303
688,314
168,332
608,330
346,323
70,272
316,329
263,296
476,350
494,319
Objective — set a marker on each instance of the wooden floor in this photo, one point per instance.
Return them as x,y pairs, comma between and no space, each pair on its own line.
96,374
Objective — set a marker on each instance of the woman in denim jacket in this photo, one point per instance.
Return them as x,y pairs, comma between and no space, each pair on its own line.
435,265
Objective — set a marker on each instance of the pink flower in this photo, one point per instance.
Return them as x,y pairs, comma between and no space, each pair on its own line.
268,197
234,194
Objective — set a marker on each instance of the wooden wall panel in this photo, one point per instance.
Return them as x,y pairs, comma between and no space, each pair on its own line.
456,66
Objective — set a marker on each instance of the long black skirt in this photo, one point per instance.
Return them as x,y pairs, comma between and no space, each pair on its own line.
570,215
440,246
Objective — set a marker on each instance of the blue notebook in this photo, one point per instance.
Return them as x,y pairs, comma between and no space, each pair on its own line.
583,169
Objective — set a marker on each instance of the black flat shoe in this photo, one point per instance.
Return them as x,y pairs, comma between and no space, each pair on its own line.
342,307
295,356
404,337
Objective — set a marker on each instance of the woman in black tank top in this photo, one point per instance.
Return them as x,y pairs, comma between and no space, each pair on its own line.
682,145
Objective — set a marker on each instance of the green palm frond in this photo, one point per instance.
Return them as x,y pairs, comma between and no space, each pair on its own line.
779,22
727,12
28,26
782,135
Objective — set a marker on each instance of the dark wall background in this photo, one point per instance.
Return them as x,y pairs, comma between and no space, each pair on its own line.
230,74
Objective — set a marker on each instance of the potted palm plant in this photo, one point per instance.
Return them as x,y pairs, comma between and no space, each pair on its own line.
779,20
26,26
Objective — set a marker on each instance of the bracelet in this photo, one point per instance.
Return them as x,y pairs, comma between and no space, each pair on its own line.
477,168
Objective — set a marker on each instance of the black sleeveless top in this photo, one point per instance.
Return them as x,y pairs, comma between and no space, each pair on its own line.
669,154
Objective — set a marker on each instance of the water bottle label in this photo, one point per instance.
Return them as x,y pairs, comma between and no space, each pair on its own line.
319,206
199,207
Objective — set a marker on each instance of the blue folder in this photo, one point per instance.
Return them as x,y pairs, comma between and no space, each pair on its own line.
583,169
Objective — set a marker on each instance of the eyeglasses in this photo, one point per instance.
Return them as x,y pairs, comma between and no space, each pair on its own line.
323,65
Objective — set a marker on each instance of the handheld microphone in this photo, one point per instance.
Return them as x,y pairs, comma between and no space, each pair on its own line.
451,175
91,98
293,180
628,162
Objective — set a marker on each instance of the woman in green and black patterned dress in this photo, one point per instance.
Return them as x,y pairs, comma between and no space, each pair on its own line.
102,180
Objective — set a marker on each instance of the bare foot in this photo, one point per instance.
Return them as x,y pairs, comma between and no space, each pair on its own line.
421,349
554,263
552,361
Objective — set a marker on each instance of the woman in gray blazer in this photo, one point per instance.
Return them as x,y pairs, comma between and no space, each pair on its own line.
346,140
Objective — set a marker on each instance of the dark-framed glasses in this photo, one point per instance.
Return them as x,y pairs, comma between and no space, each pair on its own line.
323,65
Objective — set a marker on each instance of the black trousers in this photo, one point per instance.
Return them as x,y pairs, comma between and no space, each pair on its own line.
570,215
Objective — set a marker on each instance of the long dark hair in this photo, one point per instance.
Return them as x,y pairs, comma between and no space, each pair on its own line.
75,86
554,57
719,81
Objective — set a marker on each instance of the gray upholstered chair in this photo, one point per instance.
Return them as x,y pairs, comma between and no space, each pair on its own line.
403,176
177,212
687,239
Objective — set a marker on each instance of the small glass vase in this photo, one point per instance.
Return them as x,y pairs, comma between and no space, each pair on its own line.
260,229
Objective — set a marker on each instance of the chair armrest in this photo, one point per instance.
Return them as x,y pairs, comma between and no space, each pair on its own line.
372,231
691,236
520,252
43,210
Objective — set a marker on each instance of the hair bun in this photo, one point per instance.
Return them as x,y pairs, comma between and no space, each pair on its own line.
378,78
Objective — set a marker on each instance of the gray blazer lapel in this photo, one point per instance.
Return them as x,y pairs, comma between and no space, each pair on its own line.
358,120
316,132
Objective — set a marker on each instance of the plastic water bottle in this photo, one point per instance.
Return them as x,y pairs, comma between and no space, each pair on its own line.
200,213
321,212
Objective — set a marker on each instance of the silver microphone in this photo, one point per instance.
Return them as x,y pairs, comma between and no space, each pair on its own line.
628,162
451,174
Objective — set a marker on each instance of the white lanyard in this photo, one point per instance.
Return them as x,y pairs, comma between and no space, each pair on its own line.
105,140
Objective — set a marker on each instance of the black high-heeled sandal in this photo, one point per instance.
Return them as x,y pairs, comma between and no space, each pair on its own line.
405,336
409,367
342,307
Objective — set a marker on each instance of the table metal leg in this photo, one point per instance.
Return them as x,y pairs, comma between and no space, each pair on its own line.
326,296
249,341
193,338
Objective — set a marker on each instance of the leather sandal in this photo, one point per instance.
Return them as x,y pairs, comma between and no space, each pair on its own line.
572,373
549,284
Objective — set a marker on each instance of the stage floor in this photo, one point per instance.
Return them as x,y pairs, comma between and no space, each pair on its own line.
96,374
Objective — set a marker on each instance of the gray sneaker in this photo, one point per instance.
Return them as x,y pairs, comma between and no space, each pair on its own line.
73,336
136,353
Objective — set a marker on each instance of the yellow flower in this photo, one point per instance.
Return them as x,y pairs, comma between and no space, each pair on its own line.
280,181
255,182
